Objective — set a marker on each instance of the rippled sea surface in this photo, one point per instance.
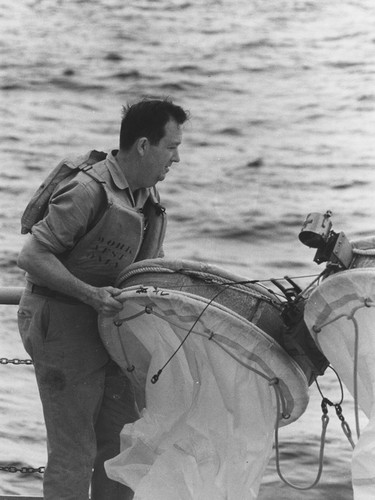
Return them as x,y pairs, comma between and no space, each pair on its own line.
282,101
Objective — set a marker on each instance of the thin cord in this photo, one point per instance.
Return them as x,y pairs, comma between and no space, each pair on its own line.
325,421
355,376
340,384
155,377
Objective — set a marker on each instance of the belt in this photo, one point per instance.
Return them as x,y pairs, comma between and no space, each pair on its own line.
47,292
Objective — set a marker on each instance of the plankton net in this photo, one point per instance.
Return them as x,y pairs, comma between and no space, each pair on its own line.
203,350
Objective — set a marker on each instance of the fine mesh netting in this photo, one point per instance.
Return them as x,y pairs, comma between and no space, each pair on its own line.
340,314
206,428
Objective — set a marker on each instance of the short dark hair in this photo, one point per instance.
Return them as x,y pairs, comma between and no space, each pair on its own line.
147,118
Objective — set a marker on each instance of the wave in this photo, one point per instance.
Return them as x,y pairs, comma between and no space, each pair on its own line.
350,184
125,75
247,230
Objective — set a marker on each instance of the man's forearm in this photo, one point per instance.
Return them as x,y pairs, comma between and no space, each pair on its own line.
47,269
39,262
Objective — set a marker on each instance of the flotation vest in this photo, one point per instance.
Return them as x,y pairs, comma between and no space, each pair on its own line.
122,234
37,206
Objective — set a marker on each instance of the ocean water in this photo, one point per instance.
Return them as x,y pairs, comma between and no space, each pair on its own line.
282,102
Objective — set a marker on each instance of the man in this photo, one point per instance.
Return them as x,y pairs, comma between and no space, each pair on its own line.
98,222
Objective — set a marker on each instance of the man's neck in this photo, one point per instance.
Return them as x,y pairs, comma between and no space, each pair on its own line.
130,167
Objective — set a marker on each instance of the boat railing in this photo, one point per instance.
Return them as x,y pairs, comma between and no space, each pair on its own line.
12,497
12,296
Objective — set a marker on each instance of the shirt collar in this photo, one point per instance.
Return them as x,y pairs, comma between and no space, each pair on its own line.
120,181
117,174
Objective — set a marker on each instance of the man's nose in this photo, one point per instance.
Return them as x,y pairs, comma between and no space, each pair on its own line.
176,157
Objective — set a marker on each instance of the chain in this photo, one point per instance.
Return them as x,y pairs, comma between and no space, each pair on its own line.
23,470
344,424
6,361
13,468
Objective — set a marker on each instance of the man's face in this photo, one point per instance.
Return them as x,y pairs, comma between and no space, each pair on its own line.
161,156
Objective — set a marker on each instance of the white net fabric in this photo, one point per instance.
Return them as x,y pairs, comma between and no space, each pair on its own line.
206,431
340,314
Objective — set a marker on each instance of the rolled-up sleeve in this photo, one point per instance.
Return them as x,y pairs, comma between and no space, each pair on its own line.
71,212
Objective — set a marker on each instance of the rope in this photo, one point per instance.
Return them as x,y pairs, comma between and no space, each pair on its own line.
209,278
157,269
361,251
355,376
325,421
340,383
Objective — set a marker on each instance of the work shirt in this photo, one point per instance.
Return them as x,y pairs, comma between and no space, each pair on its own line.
75,207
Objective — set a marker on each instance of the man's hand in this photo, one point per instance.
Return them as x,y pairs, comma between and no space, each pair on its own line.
40,263
104,300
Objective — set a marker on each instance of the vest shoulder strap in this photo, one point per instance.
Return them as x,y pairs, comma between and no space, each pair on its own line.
38,204
154,199
156,217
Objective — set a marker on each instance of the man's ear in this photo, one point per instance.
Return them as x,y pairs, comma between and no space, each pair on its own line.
143,145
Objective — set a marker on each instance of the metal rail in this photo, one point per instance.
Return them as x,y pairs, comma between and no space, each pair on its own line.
10,295
10,497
